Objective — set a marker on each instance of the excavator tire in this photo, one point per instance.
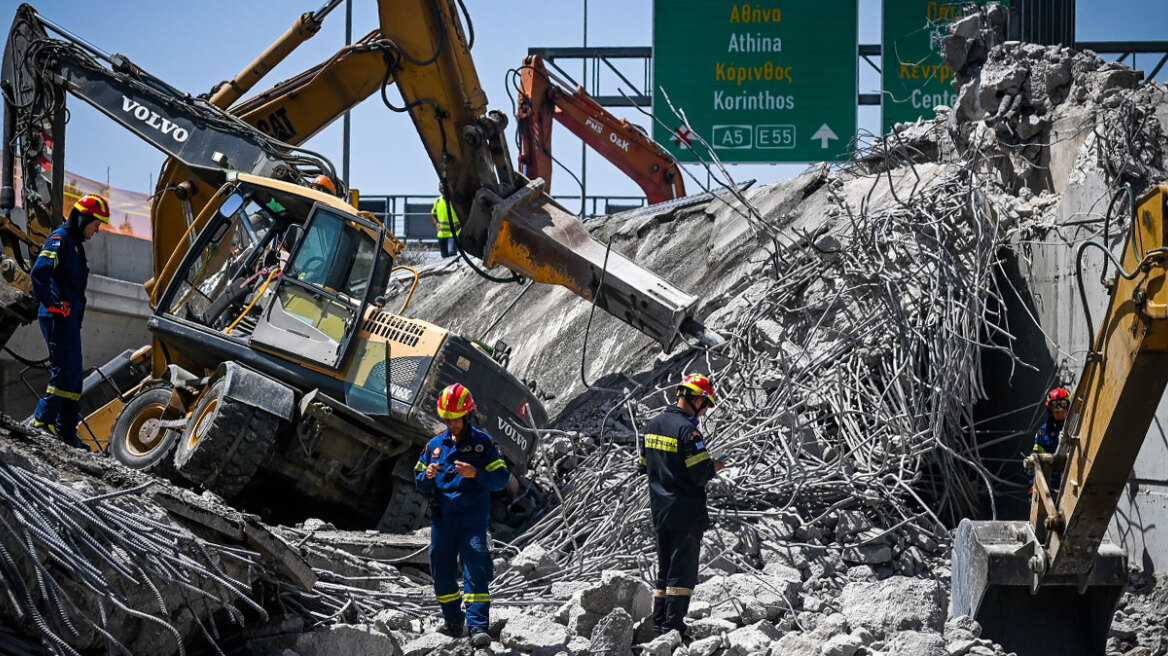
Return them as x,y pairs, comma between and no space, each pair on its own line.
224,443
137,441
406,510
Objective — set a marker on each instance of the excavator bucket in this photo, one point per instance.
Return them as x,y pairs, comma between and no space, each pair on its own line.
994,582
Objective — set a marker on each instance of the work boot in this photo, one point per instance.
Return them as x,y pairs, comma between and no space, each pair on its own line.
659,616
76,443
479,638
676,608
452,628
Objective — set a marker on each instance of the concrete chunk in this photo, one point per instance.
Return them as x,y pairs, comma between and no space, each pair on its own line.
895,604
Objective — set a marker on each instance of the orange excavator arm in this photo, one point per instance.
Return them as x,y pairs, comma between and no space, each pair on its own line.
543,97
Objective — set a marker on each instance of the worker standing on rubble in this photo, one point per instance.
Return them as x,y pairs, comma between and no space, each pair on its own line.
675,458
59,278
461,467
445,222
1046,440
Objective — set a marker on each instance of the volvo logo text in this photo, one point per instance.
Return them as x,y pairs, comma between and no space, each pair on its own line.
169,128
513,434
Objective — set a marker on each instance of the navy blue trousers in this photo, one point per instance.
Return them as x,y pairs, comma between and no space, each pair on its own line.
453,540
677,574
60,407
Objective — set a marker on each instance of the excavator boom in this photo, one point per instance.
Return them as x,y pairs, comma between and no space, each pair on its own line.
37,72
542,97
506,219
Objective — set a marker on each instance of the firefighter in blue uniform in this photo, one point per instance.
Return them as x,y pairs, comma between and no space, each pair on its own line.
678,465
1046,440
461,467
59,277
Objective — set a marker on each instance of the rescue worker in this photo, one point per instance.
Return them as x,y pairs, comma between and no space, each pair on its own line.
59,277
675,458
461,467
1046,440
445,223
324,183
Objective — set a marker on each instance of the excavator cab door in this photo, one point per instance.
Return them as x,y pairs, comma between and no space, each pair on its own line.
318,302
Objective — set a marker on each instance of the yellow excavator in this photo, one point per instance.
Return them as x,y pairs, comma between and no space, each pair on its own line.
1050,585
274,361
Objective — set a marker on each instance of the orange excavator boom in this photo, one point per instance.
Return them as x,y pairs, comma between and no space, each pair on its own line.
542,97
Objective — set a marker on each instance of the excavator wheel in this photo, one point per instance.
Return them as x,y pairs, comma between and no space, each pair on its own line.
137,441
406,510
224,443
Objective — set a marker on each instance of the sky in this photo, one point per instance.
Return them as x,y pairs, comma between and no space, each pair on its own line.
193,46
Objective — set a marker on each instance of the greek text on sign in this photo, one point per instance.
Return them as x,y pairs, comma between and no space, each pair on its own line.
759,82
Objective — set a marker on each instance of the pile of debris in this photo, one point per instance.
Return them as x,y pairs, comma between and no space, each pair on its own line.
857,304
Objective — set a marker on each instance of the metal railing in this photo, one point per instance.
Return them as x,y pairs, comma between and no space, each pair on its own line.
408,215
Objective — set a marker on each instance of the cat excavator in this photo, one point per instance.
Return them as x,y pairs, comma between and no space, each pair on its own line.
273,357
1050,585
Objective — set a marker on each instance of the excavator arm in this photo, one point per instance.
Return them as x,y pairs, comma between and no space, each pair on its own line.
507,219
38,72
1055,573
543,97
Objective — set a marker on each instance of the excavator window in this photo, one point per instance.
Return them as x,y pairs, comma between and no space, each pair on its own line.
336,255
324,289
216,279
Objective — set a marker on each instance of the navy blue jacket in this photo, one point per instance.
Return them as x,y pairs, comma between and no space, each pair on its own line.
60,273
1046,440
678,465
466,499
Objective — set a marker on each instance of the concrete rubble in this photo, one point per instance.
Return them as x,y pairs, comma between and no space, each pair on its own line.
854,301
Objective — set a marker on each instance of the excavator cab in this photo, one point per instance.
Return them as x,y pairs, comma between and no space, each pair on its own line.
281,269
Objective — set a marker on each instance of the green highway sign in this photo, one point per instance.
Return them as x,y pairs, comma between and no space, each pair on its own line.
916,77
758,81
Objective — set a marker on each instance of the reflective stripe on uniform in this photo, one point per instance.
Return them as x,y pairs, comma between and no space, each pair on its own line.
498,464
37,423
447,598
49,255
660,594
678,592
477,597
643,461
696,458
418,466
661,443
57,391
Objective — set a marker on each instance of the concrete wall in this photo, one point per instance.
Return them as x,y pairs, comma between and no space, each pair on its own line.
120,257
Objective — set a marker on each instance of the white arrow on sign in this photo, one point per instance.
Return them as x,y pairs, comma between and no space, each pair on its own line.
824,134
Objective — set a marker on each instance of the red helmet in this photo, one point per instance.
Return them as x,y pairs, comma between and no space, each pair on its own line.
95,206
699,385
1058,399
455,402
325,183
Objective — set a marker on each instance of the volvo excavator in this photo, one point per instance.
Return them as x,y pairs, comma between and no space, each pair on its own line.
1050,585
274,360
544,97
